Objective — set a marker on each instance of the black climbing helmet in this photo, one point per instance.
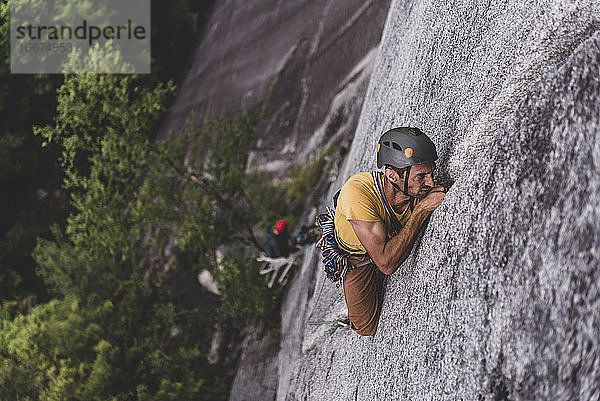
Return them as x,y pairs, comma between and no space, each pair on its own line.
405,146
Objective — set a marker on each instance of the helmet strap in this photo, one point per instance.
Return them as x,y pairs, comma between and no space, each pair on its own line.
405,191
406,181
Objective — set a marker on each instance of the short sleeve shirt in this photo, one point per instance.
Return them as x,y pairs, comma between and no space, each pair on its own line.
359,200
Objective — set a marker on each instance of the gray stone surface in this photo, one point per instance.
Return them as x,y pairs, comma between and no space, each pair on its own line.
289,58
308,64
257,379
500,296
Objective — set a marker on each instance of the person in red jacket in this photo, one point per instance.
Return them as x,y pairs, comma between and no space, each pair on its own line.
278,240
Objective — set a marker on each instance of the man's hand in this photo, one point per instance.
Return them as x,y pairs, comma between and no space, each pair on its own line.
433,199
388,255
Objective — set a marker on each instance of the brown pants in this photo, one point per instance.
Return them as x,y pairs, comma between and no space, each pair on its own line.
362,289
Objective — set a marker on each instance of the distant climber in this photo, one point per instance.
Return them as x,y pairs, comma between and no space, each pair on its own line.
279,243
379,232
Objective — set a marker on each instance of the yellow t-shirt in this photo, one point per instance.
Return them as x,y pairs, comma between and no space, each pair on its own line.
359,200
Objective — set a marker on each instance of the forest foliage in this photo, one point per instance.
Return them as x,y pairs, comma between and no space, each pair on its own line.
30,178
131,200
98,215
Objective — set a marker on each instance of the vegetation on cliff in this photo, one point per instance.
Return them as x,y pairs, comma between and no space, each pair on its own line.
93,314
135,207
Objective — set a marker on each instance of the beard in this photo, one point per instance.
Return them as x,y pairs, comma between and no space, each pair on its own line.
423,193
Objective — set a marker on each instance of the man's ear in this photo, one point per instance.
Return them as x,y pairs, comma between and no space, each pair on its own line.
388,173
392,175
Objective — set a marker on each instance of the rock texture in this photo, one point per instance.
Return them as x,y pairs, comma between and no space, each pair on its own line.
305,63
257,376
500,298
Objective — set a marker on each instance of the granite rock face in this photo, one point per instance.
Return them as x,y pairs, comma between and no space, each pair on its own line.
305,63
308,65
500,298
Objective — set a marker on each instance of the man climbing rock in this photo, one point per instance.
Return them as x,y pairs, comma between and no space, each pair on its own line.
379,231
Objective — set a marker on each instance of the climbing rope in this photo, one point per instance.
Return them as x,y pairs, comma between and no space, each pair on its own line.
334,258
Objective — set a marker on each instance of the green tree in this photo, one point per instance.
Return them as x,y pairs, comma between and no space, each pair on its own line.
246,300
103,127
135,346
137,210
24,169
29,175
148,347
198,184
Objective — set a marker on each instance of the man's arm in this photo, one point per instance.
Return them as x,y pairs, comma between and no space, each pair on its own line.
389,255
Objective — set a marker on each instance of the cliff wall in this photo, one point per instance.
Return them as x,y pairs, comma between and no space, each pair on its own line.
500,297
305,64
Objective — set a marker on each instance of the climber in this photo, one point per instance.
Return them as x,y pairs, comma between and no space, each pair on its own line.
378,241
278,240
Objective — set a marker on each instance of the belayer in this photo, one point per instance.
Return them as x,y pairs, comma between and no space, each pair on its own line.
279,243
376,221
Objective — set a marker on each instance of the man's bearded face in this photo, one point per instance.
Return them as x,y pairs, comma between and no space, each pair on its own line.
420,180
